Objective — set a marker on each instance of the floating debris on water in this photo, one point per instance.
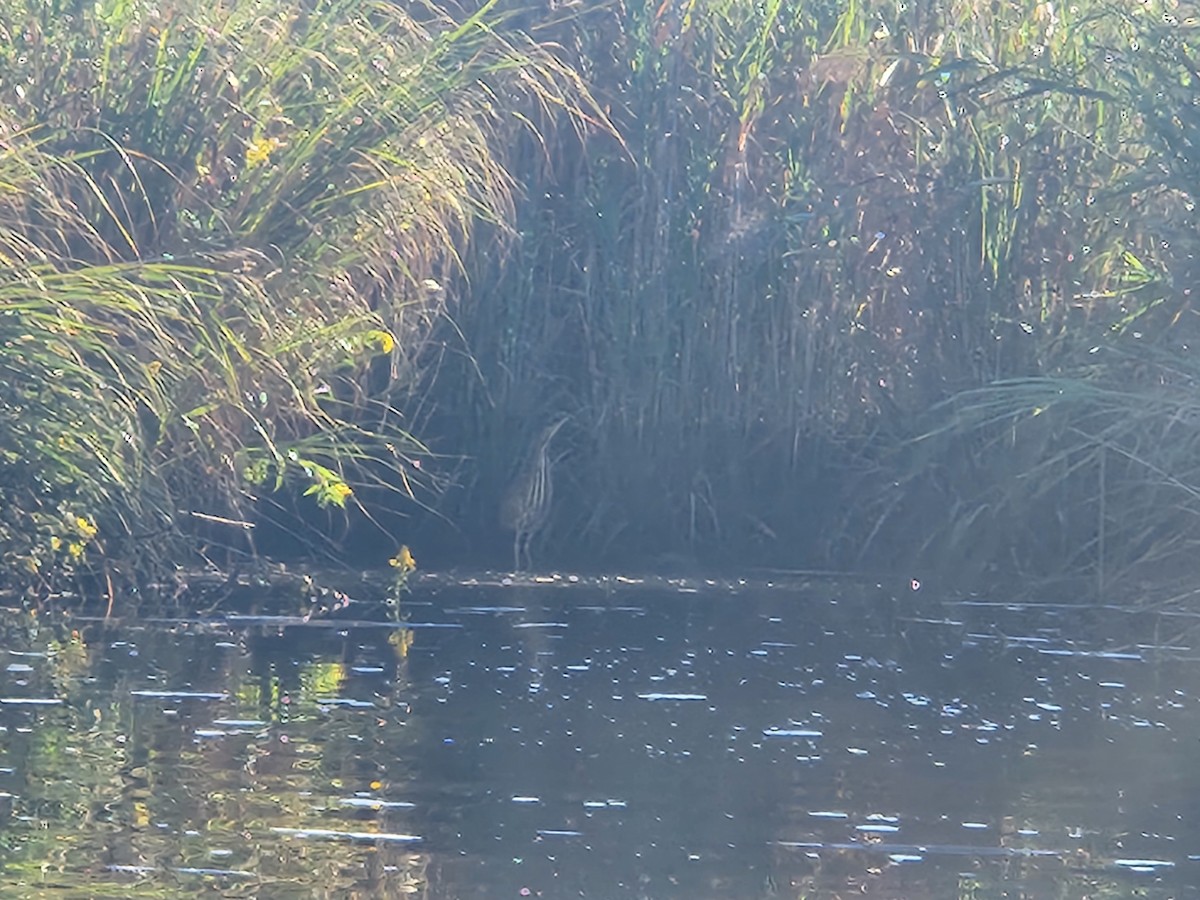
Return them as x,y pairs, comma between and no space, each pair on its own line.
655,696
792,733
30,701
345,701
1094,654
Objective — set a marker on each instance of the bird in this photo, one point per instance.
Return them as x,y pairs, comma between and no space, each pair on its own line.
525,506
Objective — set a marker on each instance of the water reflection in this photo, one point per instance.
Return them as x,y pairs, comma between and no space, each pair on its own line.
542,740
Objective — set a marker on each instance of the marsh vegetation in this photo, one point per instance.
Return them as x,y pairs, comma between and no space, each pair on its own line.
879,286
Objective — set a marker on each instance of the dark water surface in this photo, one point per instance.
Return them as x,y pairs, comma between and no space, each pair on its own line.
622,741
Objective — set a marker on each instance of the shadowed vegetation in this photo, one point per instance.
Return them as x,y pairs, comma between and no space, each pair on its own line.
778,309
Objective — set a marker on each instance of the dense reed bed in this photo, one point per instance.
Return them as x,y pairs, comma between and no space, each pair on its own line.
865,286
897,287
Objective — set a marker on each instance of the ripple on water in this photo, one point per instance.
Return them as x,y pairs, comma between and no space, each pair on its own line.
327,834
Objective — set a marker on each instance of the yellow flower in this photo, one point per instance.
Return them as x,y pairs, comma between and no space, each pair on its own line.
260,151
381,339
403,560
85,528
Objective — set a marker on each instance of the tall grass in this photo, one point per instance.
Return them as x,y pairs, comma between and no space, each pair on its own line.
226,230
1097,451
871,285
825,220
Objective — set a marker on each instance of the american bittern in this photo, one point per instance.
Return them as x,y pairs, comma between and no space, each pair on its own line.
526,504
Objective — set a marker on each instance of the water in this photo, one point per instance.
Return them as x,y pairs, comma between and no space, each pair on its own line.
613,741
